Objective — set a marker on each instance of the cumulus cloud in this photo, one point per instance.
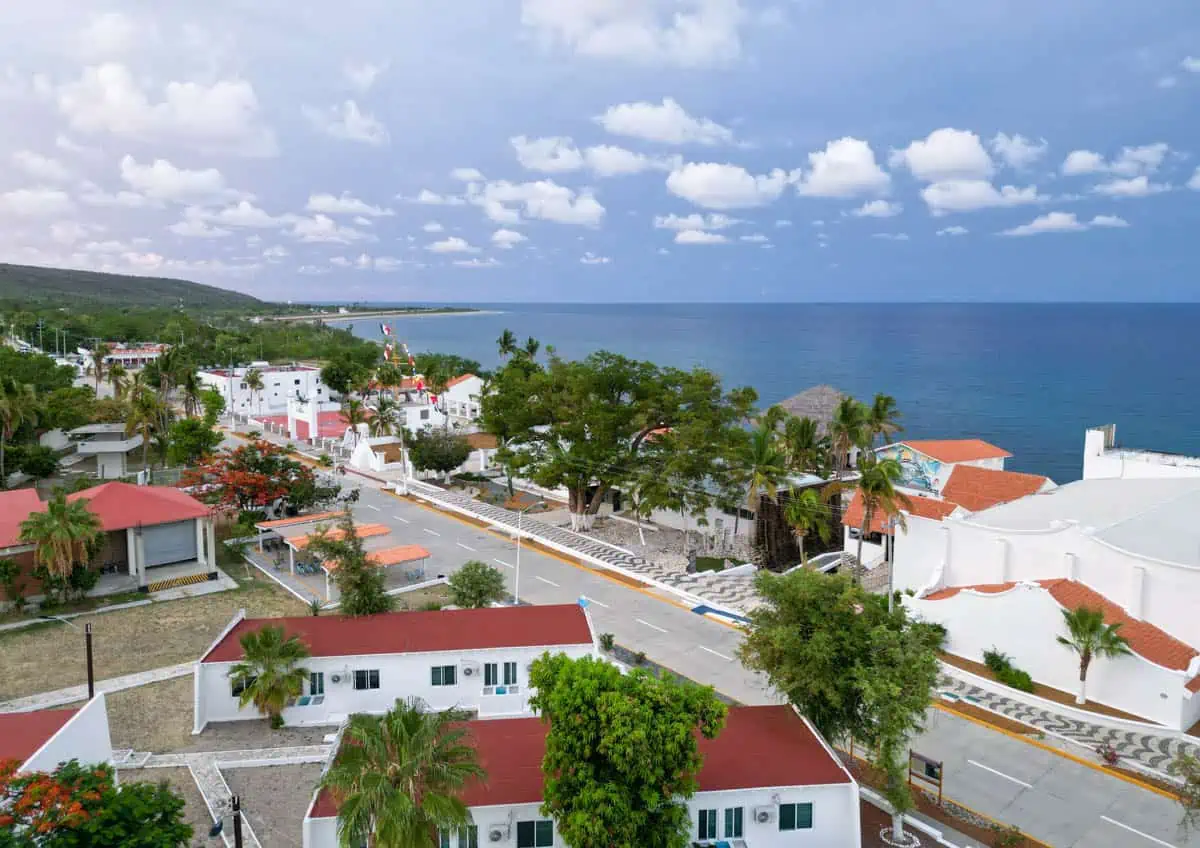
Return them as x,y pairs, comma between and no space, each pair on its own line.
1194,182
550,155
362,75
507,239
845,168
877,209
755,238
245,214
323,229
276,253
432,198
1130,162
1108,221
432,227
666,122
783,222
1133,187
476,262
590,258
91,194
1063,222
193,226
387,264
348,122
953,231
505,203
41,168
161,180
1191,65
466,175
712,221
346,204
453,244
948,196
606,160
699,237
108,35
945,154
1016,151
35,203
718,186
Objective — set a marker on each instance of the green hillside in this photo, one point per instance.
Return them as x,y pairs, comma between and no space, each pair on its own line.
65,287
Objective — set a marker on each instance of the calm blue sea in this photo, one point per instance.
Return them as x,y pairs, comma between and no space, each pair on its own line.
1029,378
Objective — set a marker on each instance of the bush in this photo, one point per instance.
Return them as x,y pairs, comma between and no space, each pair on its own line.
607,640
639,658
996,661
325,460
431,606
476,585
1001,666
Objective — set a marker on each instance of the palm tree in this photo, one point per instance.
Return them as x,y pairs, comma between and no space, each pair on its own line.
397,777
18,406
1090,637
531,347
764,464
805,512
62,533
507,343
354,411
99,354
882,418
270,673
846,431
190,384
807,449
383,422
168,363
119,377
145,416
877,487
254,382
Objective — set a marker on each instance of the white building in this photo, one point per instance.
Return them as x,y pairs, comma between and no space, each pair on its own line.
280,384
476,659
109,444
767,780
133,357
45,739
1103,458
1130,547
462,399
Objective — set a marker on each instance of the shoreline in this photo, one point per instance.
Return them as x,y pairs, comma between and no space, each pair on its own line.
335,318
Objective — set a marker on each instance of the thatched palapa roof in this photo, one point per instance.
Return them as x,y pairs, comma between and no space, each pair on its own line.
817,403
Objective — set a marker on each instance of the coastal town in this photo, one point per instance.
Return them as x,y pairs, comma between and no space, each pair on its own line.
579,602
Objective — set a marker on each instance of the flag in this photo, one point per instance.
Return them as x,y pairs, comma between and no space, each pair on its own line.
387,351
433,399
420,385
385,329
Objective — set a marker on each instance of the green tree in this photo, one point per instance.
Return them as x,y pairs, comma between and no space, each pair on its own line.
807,450
1090,638
397,777
146,412
118,378
877,483
254,382
385,420
449,364
191,439
354,411
882,419
66,409
341,376
476,585
360,583
270,673
621,751
214,406
1186,767
507,344
764,465
805,512
18,406
847,430
99,353
63,534
438,450
505,411
35,369
191,387
39,461
109,411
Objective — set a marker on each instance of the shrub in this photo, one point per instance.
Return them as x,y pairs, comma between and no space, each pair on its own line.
996,660
314,607
325,460
1001,666
431,606
1005,837
639,658
607,640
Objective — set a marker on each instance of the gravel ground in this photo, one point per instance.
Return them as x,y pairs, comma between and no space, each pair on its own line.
195,812
275,799
664,546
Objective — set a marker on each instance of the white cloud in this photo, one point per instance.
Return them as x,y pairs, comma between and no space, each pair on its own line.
845,168
953,231
877,209
41,168
891,236
346,204
668,123
108,35
363,222
717,186
246,214
945,154
507,239
554,154
1131,162
432,198
606,160
590,258
35,203
686,33
713,221
276,253
476,262
387,264
1052,222
504,202
362,75
1194,182
1083,162
163,181
1108,221
1134,187
65,143
783,222
699,237
1017,151
323,229
348,123
1191,65
69,232
221,117
92,195
467,175
432,227
453,244
755,238
949,196
193,226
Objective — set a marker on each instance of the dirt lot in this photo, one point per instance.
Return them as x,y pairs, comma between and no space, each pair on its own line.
419,597
51,656
195,812
275,799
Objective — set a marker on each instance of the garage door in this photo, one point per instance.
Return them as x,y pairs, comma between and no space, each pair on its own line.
166,543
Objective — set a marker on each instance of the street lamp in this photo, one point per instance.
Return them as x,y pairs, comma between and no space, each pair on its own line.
87,642
889,552
235,807
517,582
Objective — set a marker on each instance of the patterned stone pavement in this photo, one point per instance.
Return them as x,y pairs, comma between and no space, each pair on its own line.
1151,750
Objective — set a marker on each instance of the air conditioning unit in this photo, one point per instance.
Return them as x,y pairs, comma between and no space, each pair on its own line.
498,833
762,815
335,678
470,668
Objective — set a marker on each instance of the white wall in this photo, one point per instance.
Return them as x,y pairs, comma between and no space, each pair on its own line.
85,738
870,551
463,399
400,676
1024,622
995,463
835,818
1100,461
719,522
278,387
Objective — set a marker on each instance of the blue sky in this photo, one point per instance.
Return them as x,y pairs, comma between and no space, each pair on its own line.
609,150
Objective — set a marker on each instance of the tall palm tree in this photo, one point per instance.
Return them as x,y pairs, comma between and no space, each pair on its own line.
507,343
1089,637
397,777
146,415
62,533
354,411
191,386
270,673
254,382
806,513
531,348
847,430
383,422
119,378
168,363
764,464
807,449
883,419
18,406
99,353
877,488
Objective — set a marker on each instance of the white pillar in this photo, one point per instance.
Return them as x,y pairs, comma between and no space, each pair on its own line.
199,526
212,545
131,552
328,597
314,419
1002,544
1137,583
1071,566
140,548
292,559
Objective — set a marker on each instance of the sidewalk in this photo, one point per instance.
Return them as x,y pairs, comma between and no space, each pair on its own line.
71,694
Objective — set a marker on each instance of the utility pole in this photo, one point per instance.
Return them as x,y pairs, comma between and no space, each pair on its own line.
237,821
87,640
41,325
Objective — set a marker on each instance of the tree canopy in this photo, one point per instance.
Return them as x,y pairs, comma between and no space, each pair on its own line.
476,585
432,449
36,370
621,752
257,475
361,585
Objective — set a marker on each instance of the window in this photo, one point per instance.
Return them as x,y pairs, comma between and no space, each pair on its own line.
707,828
510,673
733,822
237,687
444,675
366,678
468,837
489,674
795,816
424,414
443,839
316,683
535,834
297,382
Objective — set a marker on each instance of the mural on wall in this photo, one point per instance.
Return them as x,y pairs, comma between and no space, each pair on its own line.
919,471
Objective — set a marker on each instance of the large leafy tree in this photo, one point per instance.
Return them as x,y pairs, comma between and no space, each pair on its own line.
257,475
35,369
438,450
63,534
270,672
476,585
18,406
190,440
361,585
68,408
505,411
1090,638
621,751
397,777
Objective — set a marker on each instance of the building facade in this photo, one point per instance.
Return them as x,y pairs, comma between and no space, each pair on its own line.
42,740
281,383
1103,458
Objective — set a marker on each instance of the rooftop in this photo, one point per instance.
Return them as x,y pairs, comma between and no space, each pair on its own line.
979,488
22,734
98,429
920,507
817,403
15,507
119,506
956,450
461,378
335,534
760,747
421,632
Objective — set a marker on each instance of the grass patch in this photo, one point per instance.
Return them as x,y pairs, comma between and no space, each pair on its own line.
32,611
155,717
418,598
708,563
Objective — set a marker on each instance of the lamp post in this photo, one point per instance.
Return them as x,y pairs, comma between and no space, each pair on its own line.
87,643
517,582
235,807
889,551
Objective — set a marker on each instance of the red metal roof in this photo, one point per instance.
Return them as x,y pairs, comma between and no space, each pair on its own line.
21,734
760,747
922,507
459,379
123,505
956,450
393,556
979,488
15,507
334,534
417,632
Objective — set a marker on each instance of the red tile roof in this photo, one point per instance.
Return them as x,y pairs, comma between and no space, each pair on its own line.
393,556
760,747
921,507
459,379
979,488
1144,639
333,534
15,506
123,505
21,734
956,450
417,632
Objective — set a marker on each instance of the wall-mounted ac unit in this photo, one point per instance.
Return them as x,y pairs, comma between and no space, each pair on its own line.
762,815
498,833
470,668
335,678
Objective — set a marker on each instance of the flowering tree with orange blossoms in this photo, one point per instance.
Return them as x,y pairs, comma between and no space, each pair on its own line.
254,476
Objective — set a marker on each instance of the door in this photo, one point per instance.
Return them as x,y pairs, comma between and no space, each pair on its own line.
167,543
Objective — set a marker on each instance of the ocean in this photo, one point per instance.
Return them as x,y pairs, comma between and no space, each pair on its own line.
1027,377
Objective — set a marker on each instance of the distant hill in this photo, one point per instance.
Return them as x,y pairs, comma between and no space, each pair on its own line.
27,283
